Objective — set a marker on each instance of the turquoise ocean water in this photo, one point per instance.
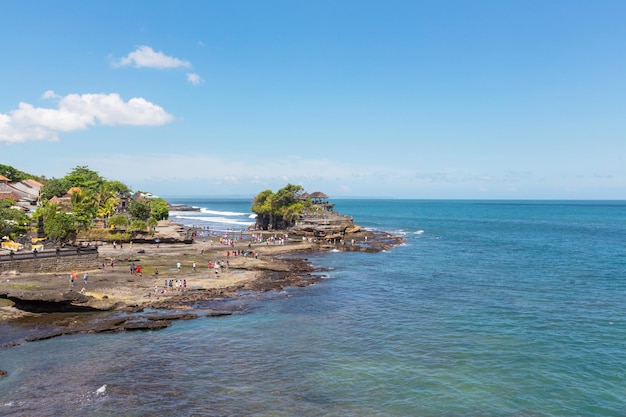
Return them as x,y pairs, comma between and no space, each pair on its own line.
491,308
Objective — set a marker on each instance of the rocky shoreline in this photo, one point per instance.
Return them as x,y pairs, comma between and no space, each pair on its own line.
113,299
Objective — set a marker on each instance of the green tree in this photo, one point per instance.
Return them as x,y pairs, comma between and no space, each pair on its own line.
13,221
152,223
107,199
118,220
159,209
280,209
107,206
261,204
139,210
118,187
58,224
61,226
15,175
291,212
138,226
85,179
84,206
54,187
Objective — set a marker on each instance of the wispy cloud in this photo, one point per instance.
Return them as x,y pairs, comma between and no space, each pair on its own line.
77,112
194,78
146,57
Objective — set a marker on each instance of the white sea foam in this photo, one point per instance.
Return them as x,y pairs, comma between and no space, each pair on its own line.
221,213
208,211
221,220
102,389
419,232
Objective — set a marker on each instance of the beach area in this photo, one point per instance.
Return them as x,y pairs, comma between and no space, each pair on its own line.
168,279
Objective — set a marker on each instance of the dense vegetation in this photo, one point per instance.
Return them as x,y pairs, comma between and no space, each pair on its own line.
93,198
16,175
280,210
13,221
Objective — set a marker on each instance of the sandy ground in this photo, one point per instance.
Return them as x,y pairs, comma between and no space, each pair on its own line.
116,286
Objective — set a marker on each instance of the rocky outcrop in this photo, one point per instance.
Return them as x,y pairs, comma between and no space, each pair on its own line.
181,207
114,324
326,226
51,301
166,232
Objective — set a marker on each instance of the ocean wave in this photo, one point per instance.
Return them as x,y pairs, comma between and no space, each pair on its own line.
207,211
220,220
221,213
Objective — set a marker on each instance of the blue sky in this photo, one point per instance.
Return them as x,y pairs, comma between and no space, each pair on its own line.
403,99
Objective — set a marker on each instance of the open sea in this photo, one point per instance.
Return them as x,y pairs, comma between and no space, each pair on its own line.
491,308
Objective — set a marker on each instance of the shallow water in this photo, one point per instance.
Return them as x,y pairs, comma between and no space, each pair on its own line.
489,309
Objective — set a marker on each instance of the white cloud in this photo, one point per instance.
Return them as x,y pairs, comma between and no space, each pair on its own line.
49,94
193,78
77,112
146,57
110,109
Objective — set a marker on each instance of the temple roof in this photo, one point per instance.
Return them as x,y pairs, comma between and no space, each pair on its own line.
318,194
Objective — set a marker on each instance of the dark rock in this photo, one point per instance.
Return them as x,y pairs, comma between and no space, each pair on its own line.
146,325
40,303
219,313
175,316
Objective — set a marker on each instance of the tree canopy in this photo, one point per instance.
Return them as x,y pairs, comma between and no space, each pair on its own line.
281,209
84,178
159,209
13,220
59,225
54,187
16,175
139,210
93,196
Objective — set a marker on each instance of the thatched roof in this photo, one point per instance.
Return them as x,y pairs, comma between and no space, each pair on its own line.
318,195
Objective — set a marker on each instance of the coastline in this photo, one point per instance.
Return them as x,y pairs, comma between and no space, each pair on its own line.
113,299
